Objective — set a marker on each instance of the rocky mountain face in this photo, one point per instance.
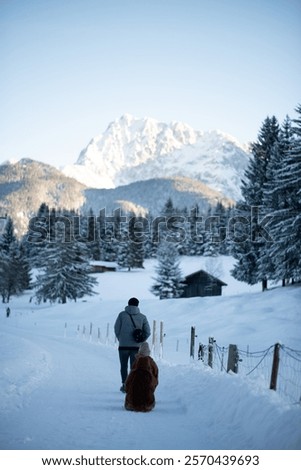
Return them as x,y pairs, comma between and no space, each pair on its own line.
134,149
135,165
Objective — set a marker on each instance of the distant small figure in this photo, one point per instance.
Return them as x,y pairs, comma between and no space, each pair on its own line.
142,381
7,312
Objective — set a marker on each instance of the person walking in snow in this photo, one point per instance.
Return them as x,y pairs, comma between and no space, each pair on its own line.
141,382
127,321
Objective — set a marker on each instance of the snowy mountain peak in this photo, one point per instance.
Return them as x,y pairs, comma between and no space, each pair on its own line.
136,149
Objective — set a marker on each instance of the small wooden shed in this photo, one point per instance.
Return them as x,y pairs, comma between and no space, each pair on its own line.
102,266
202,284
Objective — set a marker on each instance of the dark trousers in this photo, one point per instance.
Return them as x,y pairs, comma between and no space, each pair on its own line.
124,356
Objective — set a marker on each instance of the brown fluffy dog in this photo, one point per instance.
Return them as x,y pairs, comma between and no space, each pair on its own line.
141,384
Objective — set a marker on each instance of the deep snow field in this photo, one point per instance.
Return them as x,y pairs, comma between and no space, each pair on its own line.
59,385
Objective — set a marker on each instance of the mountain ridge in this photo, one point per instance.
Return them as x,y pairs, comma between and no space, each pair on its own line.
151,195
26,184
133,149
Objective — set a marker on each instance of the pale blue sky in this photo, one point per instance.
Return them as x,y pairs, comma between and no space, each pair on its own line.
70,67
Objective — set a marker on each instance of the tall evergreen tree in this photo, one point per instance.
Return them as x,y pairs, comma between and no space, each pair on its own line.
195,232
8,236
211,246
125,255
168,282
131,243
221,212
245,268
253,185
285,226
172,228
137,232
65,274
14,269
256,173
93,240
37,236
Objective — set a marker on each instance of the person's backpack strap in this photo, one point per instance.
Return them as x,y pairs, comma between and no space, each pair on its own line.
138,334
132,320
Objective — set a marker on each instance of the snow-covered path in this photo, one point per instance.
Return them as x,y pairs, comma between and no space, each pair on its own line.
68,398
60,390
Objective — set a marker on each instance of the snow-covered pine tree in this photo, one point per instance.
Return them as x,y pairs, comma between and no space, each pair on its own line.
37,236
195,234
24,269
168,282
4,282
273,195
285,226
242,248
131,244
168,209
273,199
210,248
92,235
256,177
211,234
8,237
150,243
108,246
221,213
65,274
125,255
137,234
14,269
172,226
256,173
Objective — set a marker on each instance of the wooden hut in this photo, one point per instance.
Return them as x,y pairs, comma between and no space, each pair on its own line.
202,284
102,266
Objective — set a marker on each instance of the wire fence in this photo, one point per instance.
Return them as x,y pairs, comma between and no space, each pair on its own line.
282,375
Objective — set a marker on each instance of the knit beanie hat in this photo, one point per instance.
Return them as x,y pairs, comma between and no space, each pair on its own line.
133,301
144,349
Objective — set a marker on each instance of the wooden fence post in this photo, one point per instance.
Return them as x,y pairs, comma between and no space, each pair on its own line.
233,358
161,340
275,367
210,351
154,339
192,341
222,359
201,352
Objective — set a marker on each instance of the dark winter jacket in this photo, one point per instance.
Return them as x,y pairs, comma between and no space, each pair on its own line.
124,327
141,384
